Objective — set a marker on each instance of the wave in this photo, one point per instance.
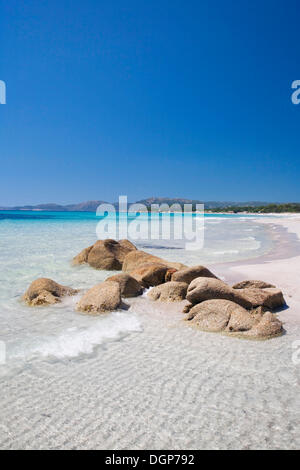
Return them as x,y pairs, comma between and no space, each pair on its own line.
75,341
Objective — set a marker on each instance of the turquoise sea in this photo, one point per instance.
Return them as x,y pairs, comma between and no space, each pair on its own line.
42,244
49,215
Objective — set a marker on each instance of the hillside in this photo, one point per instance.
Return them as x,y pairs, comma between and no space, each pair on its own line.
212,206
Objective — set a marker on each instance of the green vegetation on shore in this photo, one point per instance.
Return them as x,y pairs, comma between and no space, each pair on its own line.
262,209
270,208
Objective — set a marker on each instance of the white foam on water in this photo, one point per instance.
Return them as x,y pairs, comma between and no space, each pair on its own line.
76,341
146,291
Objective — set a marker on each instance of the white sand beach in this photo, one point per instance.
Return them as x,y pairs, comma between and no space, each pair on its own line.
166,385
281,267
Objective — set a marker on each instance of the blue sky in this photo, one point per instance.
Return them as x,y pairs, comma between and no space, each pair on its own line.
181,99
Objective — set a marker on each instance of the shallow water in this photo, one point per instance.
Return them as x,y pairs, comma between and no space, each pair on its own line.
140,378
38,244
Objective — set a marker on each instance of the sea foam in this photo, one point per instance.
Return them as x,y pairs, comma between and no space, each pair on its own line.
75,341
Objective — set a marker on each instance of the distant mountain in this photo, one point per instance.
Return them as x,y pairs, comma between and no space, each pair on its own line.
166,200
91,206
207,204
39,207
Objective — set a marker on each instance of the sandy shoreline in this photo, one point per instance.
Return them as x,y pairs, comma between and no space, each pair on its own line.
281,266
169,386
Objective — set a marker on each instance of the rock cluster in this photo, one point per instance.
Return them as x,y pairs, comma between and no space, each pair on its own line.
242,309
224,315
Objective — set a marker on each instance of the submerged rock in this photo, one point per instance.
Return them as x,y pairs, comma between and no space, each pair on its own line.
129,286
44,291
252,284
104,297
203,288
189,274
105,254
171,291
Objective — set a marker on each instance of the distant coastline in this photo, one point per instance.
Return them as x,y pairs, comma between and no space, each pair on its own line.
217,207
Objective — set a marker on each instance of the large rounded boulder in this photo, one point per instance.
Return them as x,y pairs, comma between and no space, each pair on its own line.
187,275
171,291
45,291
136,259
149,275
270,298
252,284
203,288
105,254
104,297
129,286
214,315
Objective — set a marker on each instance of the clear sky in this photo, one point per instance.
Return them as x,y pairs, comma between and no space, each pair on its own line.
149,98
